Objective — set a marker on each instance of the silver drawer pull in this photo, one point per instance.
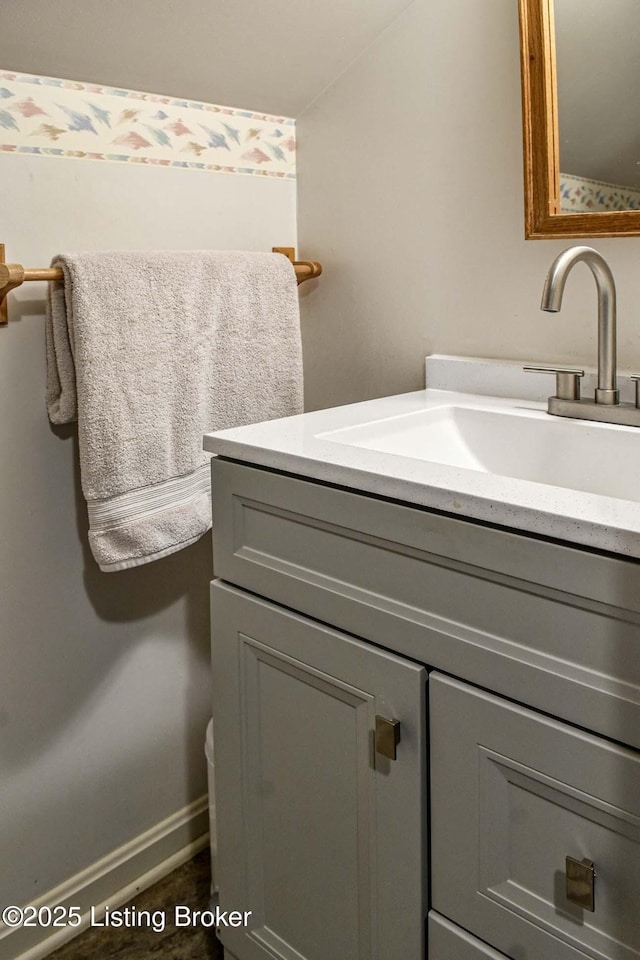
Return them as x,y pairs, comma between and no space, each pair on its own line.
581,878
387,736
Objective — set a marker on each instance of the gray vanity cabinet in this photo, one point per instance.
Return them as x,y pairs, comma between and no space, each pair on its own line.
321,836
533,654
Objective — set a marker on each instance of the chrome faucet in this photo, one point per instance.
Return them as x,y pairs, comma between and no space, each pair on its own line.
605,405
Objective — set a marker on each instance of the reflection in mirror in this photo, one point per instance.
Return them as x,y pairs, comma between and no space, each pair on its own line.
582,146
597,68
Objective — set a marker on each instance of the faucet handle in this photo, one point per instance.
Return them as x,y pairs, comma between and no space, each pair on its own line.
636,380
567,380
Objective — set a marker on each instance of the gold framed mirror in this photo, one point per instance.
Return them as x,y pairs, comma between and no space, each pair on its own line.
546,213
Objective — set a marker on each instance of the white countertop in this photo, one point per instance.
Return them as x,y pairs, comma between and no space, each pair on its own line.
293,445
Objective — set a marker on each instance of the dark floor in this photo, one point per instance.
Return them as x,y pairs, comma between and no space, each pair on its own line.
187,886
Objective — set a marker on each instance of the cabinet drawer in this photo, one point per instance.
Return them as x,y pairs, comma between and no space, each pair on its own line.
552,626
513,794
448,942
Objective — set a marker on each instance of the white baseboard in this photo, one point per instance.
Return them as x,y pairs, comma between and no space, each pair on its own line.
113,880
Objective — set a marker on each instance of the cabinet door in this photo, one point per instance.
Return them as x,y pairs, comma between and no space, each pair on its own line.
320,836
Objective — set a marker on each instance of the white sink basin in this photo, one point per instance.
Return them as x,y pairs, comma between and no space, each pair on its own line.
513,441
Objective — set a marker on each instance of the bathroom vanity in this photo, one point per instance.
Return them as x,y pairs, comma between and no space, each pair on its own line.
426,701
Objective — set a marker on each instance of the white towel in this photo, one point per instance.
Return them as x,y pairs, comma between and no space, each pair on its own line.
149,351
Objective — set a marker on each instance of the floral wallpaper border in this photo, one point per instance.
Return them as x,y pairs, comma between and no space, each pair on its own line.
581,195
48,117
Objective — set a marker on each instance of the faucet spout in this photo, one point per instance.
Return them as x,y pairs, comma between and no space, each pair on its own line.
606,391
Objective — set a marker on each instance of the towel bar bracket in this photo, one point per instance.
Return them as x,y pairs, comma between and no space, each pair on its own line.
305,269
289,252
11,275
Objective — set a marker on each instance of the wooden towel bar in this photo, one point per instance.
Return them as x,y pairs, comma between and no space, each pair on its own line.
12,275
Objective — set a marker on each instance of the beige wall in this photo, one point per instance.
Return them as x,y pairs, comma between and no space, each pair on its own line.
105,678
410,192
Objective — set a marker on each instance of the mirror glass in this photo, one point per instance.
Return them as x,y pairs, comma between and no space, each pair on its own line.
597,72
580,71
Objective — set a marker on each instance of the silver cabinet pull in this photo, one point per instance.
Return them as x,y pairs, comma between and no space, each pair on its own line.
387,736
581,878
567,380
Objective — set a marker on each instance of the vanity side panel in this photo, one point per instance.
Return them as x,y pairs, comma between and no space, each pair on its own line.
552,626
